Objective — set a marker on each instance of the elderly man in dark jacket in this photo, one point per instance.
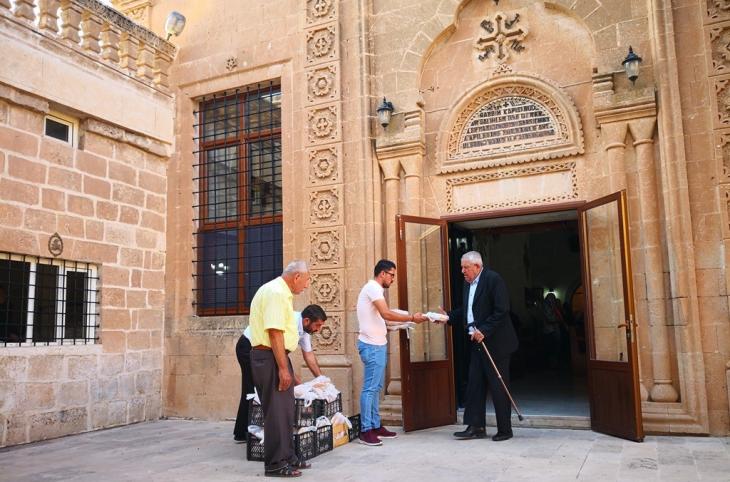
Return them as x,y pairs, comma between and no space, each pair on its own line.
484,315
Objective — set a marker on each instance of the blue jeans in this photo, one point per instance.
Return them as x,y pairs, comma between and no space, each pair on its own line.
374,357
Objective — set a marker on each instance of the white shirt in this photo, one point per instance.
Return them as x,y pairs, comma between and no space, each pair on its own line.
372,326
305,339
472,292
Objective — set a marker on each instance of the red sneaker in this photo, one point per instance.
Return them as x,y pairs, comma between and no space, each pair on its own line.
383,432
369,438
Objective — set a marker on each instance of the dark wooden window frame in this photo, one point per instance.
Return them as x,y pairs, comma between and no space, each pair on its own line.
241,138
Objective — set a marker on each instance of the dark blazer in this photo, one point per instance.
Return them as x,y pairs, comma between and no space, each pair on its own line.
491,314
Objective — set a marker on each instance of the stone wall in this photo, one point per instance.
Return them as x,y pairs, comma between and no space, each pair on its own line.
106,199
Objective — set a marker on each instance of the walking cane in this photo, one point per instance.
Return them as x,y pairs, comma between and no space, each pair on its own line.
499,375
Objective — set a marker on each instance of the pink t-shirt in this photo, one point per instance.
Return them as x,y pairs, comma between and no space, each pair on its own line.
372,326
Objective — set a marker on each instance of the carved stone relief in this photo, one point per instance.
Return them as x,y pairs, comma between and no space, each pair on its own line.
331,339
722,101
322,44
324,165
327,289
719,48
326,206
502,35
323,84
523,186
326,248
319,11
717,10
512,119
323,124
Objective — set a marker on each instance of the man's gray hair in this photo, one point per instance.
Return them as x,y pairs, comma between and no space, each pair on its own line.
296,266
472,257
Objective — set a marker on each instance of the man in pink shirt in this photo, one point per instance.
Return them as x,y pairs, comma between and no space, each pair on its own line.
374,317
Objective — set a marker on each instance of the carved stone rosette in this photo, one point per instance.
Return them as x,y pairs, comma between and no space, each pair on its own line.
323,124
325,166
324,173
326,248
331,339
718,54
327,289
323,84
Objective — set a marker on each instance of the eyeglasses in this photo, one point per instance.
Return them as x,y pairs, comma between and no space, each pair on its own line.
391,273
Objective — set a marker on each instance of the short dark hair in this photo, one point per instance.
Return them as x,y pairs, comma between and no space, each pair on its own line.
314,312
383,265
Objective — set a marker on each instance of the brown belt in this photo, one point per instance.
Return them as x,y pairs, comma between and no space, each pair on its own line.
266,348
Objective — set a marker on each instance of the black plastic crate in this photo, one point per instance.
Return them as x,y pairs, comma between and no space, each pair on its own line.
255,414
328,409
304,416
325,442
355,430
254,449
305,445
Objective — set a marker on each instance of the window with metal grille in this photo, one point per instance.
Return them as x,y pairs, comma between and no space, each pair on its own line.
238,238
47,301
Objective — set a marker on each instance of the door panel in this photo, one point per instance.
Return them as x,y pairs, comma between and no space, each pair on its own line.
613,362
427,377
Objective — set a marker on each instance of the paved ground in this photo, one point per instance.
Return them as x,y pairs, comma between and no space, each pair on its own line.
182,450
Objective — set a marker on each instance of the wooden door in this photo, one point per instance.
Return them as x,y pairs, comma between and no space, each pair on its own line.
427,375
613,369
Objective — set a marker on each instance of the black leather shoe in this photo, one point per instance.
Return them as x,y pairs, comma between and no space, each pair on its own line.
500,437
471,432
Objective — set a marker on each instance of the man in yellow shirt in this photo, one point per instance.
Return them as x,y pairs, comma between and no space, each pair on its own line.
274,334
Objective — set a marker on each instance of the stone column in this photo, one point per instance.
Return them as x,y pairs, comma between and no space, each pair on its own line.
662,389
614,136
391,188
412,169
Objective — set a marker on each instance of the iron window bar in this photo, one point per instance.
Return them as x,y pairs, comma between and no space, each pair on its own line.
237,197
45,301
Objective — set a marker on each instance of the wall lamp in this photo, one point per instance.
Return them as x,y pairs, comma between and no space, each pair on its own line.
631,65
384,112
174,24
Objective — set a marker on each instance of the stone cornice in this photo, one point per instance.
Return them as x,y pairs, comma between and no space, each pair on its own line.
403,149
119,134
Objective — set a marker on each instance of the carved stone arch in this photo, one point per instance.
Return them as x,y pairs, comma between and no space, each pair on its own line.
508,120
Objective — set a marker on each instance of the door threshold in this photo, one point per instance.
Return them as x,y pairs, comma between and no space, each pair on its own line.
575,422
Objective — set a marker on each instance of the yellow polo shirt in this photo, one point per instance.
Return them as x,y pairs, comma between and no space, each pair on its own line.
271,308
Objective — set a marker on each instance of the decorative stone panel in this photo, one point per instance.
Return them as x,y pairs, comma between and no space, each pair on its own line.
322,44
721,101
718,52
511,119
328,288
717,10
326,206
323,84
323,124
326,248
544,184
325,166
331,338
321,11
501,36
722,154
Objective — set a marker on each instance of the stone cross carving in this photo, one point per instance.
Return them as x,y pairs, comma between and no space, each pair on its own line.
503,36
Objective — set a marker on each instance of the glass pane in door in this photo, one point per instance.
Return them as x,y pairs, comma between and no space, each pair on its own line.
425,289
603,238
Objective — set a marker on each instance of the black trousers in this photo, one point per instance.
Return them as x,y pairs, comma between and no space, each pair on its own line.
278,410
243,354
483,380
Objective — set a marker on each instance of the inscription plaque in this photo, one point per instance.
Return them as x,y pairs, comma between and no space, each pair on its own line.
508,121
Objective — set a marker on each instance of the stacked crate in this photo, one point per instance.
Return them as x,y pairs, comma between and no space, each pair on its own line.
307,444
